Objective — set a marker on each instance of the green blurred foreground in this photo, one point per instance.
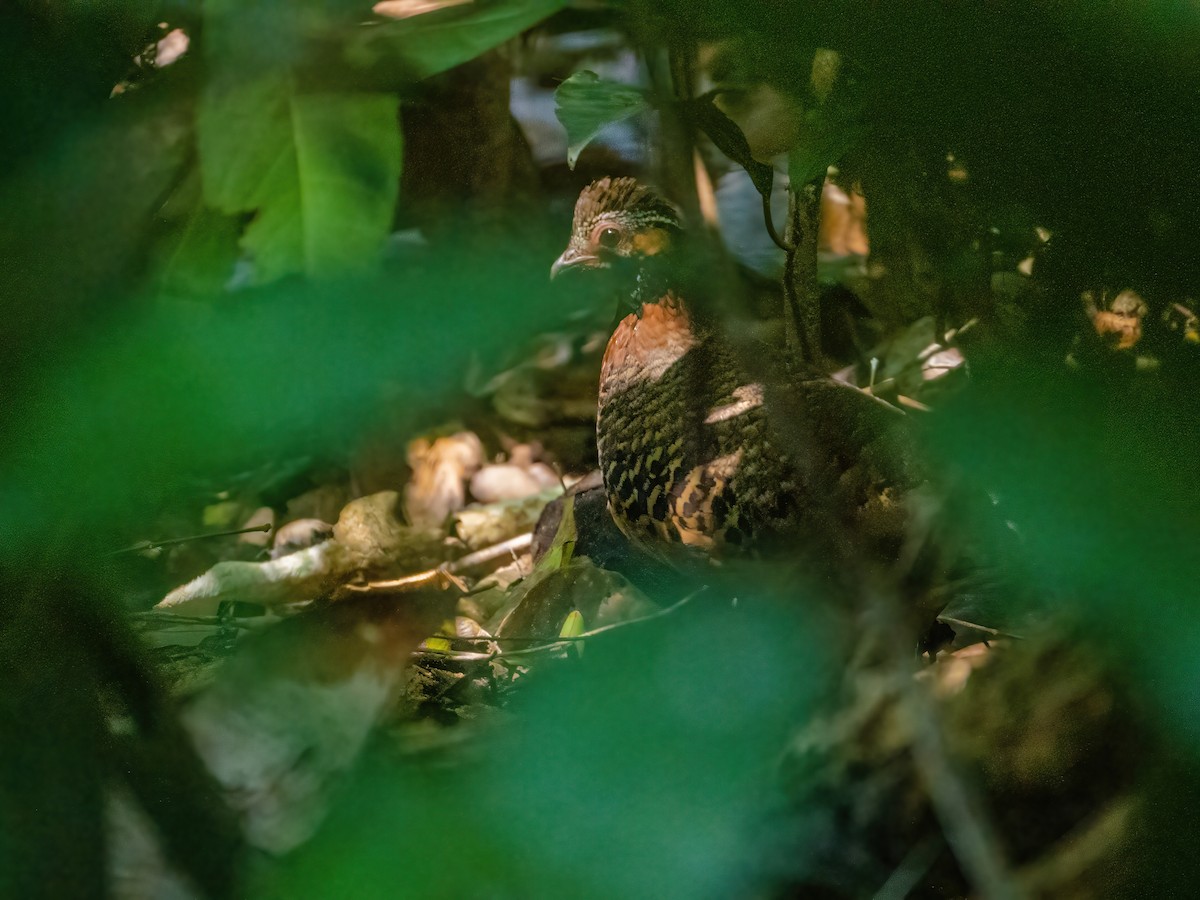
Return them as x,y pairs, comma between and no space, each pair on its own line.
648,766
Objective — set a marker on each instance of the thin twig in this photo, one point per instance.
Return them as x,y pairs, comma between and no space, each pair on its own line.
960,811
172,619
443,576
801,287
154,545
913,404
1086,848
910,871
770,223
995,632
968,830
555,644
491,554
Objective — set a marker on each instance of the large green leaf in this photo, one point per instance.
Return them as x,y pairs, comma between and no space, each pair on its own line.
200,257
586,105
827,132
428,44
199,250
320,170
730,140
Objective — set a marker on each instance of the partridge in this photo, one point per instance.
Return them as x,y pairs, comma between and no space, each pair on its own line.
697,456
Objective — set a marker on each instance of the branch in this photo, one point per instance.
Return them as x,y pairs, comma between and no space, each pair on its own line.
801,287
142,546
546,646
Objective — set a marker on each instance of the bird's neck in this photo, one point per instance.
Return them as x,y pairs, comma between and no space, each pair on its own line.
652,284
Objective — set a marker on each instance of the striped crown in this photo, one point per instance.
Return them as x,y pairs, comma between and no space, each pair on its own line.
635,204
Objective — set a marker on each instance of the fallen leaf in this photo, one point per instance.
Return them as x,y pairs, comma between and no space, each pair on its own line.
441,469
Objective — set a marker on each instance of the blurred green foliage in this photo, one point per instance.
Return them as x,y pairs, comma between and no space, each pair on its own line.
639,769
321,171
431,43
136,364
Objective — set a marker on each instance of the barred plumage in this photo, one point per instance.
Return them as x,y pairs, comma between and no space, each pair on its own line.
687,451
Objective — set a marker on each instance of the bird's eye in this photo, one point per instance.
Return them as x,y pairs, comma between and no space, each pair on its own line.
609,237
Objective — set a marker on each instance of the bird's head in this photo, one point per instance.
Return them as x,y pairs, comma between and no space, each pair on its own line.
618,219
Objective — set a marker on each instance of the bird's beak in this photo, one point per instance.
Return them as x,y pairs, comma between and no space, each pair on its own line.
572,259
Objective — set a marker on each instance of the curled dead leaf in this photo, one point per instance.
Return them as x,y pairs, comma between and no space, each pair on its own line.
299,535
441,469
1119,326
1119,332
484,526
503,481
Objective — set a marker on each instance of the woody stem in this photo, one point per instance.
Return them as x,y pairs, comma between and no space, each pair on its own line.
801,287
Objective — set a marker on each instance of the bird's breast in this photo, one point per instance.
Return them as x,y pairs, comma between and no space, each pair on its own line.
644,346
666,429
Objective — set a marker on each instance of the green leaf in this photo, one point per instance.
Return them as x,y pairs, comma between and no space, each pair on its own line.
562,548
826,133
586,105
730,140
437,645
199,258
572,626
320,170
437,41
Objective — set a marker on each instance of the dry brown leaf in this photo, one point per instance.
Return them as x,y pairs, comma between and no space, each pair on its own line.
1119,332
299,535
378,544
485,526
324,502
843,228
441,469
503,481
